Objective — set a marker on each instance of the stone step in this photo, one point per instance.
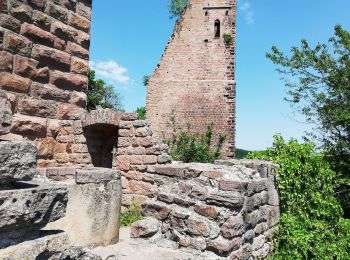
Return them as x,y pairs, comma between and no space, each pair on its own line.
31,207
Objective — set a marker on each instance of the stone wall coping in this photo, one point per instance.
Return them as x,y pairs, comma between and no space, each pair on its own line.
97,175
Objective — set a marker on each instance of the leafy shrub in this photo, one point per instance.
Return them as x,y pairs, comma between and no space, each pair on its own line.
177,7
187,147
241,154
133,214
141,112
228,38
311,226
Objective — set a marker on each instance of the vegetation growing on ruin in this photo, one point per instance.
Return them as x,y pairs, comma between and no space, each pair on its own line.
177,7
318,83
133,214
228,38
311,225
141,113
196,147
101,94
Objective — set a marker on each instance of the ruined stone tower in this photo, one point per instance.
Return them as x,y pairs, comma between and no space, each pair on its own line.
195,81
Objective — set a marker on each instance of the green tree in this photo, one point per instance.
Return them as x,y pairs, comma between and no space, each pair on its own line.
311,224
145,80
318,83
141,112
101,94
177,7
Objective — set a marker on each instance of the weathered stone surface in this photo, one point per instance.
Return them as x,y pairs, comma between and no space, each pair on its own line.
29,126
17,44
206,211
69,81
77,50
79,66
69,111
57,11
37,107
10,22
223,246
233,227
29,68
155,209
17,161
32,208
198,226
49,92
231,200
14,83
51,57
37,34
79,22
63,31
6,61
145,228
96,176
60,173
5,114
46,147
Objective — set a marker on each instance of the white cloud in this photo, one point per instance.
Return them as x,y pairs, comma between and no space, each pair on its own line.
110,70
246,8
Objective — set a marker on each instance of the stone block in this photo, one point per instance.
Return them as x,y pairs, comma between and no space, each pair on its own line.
17,44
78,98
6,61
46,147
51,57
29,126
96,176
15,83
28,68
172,171
79,66
37,107
3,5
83,10
198,226
61,173
38,4
84,40
37,34
156,210
57,11
79,22
17,161
9,22
32,208
69,81
147,227
231,200
223,247
69,4
41,20
233,227
49,92
5,114
68,111
21,11
63,31
77,50
206,211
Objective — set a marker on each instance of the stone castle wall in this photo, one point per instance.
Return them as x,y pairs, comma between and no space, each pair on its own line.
195,81
44,49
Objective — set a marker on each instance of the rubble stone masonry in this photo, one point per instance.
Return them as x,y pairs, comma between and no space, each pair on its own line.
195,81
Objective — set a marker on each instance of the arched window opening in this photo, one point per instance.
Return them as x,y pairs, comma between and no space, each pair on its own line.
226,12
217,29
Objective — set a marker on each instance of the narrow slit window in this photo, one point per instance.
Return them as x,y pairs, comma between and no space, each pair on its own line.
217,29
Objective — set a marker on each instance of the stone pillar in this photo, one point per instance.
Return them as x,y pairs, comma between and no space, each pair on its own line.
93,209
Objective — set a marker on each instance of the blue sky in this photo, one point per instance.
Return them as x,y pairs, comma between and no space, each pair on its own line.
128,39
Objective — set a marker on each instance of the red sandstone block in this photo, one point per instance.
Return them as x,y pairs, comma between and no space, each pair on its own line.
38,4
27,67
17,44
52,128
37,107
62,157
69,81
6,61
79,66
215,175
149,159
78,22
3,5
83,10
124,133
14,83
13,100
57,11
80,158
227,185
142,188
60,148
80,148
123,162
84,40
46,163
68,111
60,44
77,50
206,211
51,57
78,98
10,22
35,33
70,4
21,11
28,125
49,92
63,31
42,20
46,147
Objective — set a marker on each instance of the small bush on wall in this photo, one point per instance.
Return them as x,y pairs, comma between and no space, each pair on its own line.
188,147
133,214
228,38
